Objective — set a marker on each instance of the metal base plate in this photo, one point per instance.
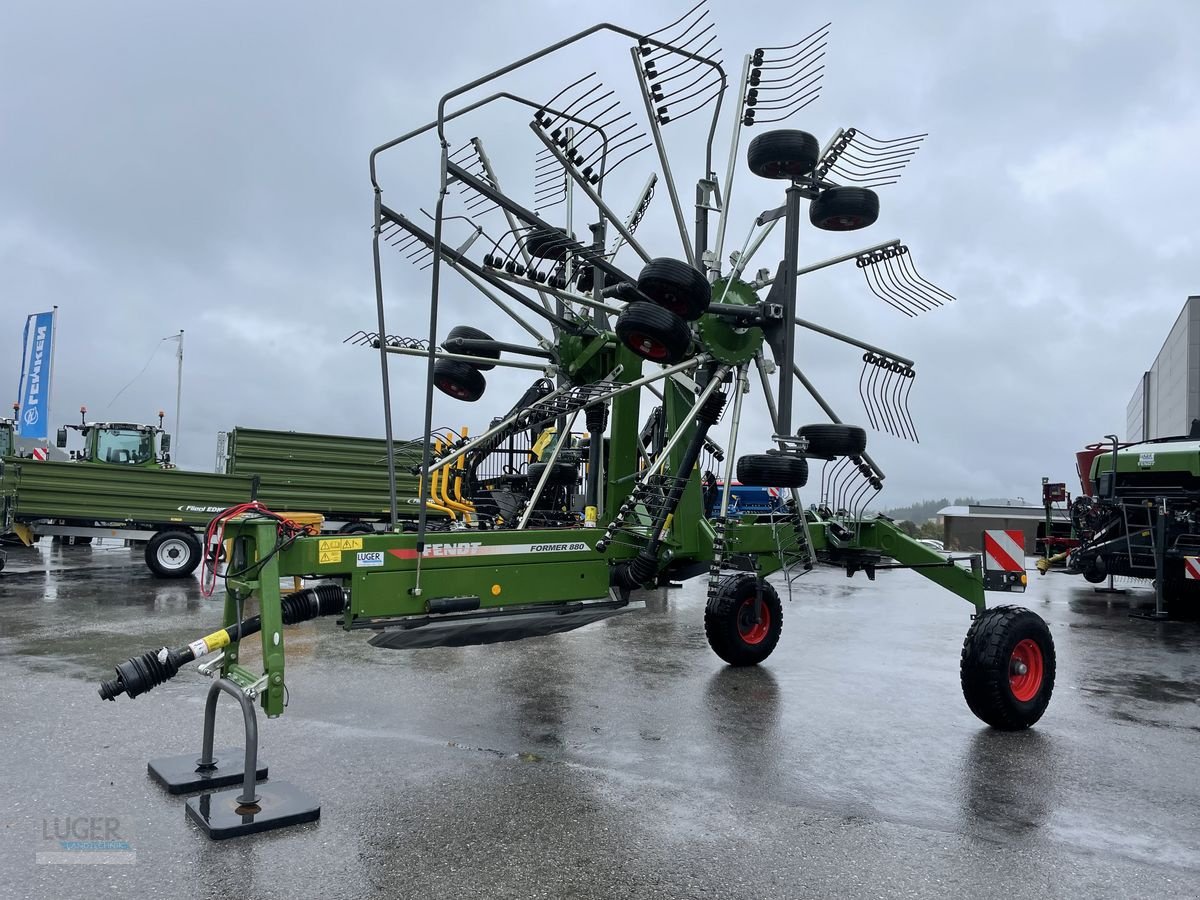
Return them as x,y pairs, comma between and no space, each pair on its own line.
178,774
465,632
279,805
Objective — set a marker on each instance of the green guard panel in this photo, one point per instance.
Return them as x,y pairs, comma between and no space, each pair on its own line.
520,583
1169,456
337,476
130,495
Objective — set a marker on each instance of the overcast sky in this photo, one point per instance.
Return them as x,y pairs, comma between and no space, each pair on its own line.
204,167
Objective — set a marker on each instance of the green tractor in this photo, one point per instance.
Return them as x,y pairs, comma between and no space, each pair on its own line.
119,443
654,358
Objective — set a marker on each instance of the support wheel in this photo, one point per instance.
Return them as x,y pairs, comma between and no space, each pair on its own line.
458,380
549,244
173,554
772,470
466,332
1007,667
654,333
844,209
834,440
676,286
740,629
783,153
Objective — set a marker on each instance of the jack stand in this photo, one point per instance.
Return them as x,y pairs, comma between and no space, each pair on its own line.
1111,589
233,813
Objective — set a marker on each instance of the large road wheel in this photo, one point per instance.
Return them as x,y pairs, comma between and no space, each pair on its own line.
773,470
676,286
834,439
1007,667
459,380
844,209
740,629
783,153
466,332
173,553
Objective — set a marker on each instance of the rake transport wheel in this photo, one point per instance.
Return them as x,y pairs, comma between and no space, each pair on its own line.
654,333
834,440
1007,667
173,553
772,470
784,153
844,209
466,332
676,286
740,629
549,244
459,380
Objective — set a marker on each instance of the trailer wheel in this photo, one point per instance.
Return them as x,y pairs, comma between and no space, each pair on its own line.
739,630
783,153
772,470
844,209
458,380
834,440
173,553
473,334
1007,667
676,286
356,528
654,332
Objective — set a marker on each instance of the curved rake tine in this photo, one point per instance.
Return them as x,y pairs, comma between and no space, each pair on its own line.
676,98
863,393
571,86
887,374
909,377
676,22
824,28
680,41
877,288
792,78
699,106
687,64
914,296
895,383
886,277
885,142
906,259
630,155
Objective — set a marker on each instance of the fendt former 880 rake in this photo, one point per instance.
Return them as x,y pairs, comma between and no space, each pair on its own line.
644,354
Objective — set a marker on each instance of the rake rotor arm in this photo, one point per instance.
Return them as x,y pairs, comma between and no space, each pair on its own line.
833,417
458,259
846,339
833,261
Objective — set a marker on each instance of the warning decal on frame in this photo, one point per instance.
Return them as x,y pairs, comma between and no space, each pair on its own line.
329,556
340,544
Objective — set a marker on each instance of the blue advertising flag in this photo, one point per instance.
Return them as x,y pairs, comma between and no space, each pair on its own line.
33,418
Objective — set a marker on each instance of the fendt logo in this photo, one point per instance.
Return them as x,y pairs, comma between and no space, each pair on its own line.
463,548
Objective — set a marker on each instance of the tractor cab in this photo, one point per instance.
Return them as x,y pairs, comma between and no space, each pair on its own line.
120,443
7,440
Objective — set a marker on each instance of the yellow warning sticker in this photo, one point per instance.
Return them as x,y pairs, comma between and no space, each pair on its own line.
329,556
340,544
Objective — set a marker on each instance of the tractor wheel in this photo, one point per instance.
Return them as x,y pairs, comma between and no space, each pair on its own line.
784,153
834,440
173,554
473,334
772,470
549,244
676,286
654,333
356,528
739,629
458,380
563,474
1007,667
844,209
1096,573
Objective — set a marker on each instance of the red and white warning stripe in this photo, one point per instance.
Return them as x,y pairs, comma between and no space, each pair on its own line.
41,454
1004,551
1191,567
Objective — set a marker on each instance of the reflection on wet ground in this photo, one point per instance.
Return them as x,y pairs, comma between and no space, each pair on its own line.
623,759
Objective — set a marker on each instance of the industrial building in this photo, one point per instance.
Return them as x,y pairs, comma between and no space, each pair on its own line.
963,526
1167,397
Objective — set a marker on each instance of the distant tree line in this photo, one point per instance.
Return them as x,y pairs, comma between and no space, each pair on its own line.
921,512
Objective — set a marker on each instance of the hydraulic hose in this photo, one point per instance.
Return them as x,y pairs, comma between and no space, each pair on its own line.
141,673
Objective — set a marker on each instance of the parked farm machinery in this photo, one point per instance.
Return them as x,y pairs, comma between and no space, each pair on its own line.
654,358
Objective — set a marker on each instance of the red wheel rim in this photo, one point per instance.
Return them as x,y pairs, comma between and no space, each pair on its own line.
843,223
753,632
647,346
1026,668
453,389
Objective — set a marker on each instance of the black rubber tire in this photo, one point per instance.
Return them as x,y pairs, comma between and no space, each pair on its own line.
844,209
549,244
1095,573
654,333
474,334
772,470
986,667
356,528
784,153
458,380
676,286
729,625
173,553
834,440
563,474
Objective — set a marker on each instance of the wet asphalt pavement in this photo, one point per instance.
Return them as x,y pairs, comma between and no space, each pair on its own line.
622,760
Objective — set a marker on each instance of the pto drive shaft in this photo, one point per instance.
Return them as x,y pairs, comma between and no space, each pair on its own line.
141,673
